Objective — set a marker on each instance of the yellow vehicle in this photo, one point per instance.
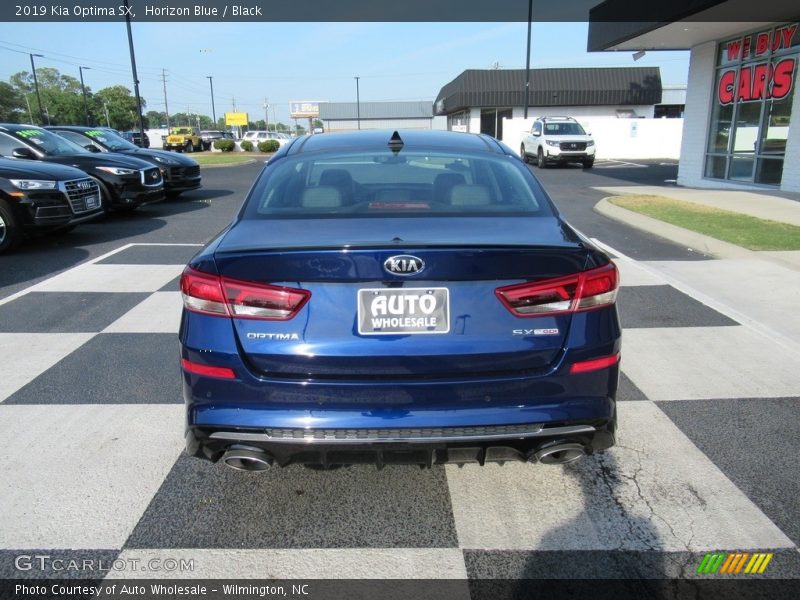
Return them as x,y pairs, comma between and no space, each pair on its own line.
183,139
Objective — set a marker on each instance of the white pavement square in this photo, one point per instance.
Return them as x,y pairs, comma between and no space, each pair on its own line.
323,563
691,363
111,278
24,356
81,476
655,490
631,274
158,313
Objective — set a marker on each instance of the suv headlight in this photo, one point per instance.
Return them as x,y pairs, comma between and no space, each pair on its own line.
590,143
552,143
33,184
165,161
117,170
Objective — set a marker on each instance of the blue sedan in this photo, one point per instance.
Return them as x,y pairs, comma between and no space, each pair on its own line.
407,297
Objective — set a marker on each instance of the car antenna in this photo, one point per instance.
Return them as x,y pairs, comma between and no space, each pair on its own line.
396,143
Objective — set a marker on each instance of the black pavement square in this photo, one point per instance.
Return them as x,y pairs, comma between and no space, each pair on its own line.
754,442
173,285
111,368
204,505
152,255
65,312
664,306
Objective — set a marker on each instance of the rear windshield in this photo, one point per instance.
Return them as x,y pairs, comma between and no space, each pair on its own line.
406,184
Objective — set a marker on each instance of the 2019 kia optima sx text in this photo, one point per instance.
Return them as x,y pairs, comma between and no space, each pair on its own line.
125,182
408,298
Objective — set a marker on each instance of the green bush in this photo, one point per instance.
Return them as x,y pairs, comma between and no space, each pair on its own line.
247,146
224,145
269,146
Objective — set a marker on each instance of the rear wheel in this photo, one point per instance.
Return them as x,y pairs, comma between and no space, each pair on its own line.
189,147
10,233
540,161
523,154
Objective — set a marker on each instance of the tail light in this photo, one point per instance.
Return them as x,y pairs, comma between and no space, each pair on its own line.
581,291
214,295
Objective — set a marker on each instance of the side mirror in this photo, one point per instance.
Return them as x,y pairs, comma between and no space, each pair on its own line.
91,148
22,152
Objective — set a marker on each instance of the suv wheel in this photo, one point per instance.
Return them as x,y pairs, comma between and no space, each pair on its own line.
189,147
523,154
540,161
10,235
588,164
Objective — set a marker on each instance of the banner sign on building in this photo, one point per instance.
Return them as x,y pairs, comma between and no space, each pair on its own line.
762,66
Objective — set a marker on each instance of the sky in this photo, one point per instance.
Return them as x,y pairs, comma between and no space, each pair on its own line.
283,62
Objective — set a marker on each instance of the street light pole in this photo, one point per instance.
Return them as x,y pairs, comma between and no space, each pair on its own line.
358,104
213,110
83,91
528,58
133,70
36,86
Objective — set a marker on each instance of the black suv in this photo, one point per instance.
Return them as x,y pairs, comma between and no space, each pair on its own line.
181,173
210,136
37,197
135,137
125,182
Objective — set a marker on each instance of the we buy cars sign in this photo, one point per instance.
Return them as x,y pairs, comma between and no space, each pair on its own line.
759,80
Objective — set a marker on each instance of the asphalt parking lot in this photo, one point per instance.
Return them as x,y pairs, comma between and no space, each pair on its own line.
91,413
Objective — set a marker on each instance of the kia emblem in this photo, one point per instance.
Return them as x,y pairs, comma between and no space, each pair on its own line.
404,264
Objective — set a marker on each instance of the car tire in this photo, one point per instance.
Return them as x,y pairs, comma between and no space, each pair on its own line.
523,154
105,196
588,164
540,161
189,146
10,233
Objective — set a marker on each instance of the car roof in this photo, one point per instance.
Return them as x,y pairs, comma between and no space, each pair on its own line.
14,127
378,139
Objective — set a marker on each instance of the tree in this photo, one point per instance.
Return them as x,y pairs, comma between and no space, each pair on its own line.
12,104
62,100
156,119
121,107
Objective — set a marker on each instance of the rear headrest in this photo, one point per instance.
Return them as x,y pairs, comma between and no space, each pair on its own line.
470,195
444,183
323,196
337,177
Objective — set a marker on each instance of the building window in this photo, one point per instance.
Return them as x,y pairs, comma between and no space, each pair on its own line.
754,86
458,121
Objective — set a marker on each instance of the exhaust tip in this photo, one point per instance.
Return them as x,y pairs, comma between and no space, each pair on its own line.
560,453
247,459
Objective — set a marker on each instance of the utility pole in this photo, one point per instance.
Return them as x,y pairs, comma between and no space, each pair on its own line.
47,112
108,121
528,58
358,104
166,107
133,70
266,113
36,85
30,114
83,91
213,110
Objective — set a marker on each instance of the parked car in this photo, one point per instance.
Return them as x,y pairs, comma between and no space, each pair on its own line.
40,198
208,137
135,137
557,140
391,298
125,182
183,139
181,173
256,137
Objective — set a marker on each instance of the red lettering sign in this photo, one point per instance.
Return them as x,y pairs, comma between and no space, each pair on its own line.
757,82
726,83
762,43
734,49
782,79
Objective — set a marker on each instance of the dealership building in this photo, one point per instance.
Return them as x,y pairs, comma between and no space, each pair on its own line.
742,113
348,116
478,100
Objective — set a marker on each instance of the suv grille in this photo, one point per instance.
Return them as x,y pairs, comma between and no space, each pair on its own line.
83,195
151,176
573,145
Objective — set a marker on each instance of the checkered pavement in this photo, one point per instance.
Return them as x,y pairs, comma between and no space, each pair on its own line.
91,417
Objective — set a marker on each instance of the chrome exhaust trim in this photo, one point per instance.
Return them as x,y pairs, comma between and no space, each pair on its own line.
245,458
559,453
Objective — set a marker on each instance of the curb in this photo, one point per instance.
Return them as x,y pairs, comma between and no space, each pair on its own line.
684,237
238,164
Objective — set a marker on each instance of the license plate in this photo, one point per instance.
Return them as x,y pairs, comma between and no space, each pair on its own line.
403,311
92,202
